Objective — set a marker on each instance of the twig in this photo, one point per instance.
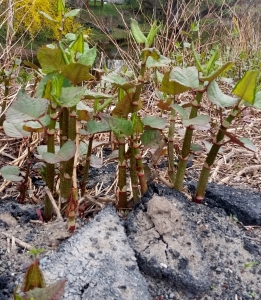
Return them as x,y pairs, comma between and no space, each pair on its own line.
17,241
166,182
249,169
220,163
50,196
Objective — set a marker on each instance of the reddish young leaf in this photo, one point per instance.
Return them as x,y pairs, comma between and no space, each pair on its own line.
33,277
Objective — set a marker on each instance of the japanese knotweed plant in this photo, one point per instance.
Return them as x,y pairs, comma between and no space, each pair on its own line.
246,93
55,110
179,80
34,286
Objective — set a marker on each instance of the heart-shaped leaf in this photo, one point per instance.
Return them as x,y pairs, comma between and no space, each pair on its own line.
71,96
77,72
151,138
119,81
50,59
154,122
25,108
199,120
171,87
64,154
89,56
95,95
180,110
121,127
15,130
35,126
185,76
246,87
150,52
216,96
11,173
162,61
42,149
97,127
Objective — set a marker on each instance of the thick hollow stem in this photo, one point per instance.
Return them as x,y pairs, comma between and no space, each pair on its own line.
87,166
134,175
139,165
122,185
187,143
171,166
203,179
6,93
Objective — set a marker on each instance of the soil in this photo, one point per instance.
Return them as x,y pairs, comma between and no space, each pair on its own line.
231,249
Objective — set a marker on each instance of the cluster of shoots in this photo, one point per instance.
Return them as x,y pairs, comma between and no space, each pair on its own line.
70,107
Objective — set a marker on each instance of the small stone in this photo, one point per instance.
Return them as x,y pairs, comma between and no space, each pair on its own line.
163,265
171,295
133,258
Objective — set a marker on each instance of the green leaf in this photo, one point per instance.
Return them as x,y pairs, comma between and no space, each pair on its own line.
64,154
150,52
196,147
216,73
187,77
120,127
137,33
50,59
179,109
53,291
95,95
47,16
123,107
211,63
152,33
89,56
83,106
15,130
97,127
43,148
25,108
196,58
61,6
33,277
257,102
216,96
248,144
119,81
154,122
72,13
246,87
42,84
151,138
171,87
71,96
161,62
96,162
76,72
11,173
200,120
78,44
243,142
